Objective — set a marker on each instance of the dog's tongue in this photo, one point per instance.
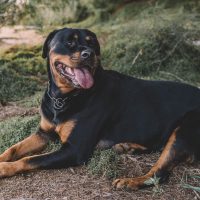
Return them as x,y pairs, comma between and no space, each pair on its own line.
84,78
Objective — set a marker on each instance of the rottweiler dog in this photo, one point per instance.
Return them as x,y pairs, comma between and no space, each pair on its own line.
88,106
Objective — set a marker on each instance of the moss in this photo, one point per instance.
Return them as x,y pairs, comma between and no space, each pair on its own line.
25,60
15,129
104,163
32,101
168,49
15,87
21,71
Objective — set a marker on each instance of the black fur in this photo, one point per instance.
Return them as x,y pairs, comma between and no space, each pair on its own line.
119,108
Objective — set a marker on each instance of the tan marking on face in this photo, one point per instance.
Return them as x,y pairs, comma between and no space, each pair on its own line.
61,82
65,59
71,61
64,130
75,57
88,38
75,36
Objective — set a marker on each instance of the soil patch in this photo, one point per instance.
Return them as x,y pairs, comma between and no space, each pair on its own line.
19,35
13,110
77,184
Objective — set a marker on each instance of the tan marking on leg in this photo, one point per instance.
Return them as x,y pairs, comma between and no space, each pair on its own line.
32,144
64,130
128,147
163,161
11,168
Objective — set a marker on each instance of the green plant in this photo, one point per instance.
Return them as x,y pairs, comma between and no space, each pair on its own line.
195,178
22,70
15,129
15,87
157,189
104,163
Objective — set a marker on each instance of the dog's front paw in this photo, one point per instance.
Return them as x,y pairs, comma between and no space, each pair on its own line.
126,183
6,169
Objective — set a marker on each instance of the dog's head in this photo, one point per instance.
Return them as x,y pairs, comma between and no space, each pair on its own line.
73,56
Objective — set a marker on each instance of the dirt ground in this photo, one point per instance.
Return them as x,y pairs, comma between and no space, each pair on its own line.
19,35
78,184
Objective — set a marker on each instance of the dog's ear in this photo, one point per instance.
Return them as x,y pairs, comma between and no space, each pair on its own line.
47,42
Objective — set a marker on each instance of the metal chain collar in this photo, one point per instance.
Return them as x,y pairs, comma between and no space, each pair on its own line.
58,102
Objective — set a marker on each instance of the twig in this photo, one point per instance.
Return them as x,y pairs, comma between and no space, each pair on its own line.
196,193
136,57
173,75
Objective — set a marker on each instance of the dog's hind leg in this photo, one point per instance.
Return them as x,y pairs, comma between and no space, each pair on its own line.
183,143
171,155
128,148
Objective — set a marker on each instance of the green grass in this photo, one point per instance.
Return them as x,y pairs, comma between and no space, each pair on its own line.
22,70
32,101
15,87
154,43
104,163
15,129
24,60
192,182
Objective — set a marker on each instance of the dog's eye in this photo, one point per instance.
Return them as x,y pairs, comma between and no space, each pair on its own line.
70,44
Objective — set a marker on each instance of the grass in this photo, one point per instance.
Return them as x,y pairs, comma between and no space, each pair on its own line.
104,163
14,86
192,182
24,60
32,101
22,70
15,129
165,45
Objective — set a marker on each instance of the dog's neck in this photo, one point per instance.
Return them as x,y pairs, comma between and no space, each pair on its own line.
60,100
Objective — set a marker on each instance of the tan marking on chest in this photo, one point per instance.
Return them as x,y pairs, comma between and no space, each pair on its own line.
46,125
64,130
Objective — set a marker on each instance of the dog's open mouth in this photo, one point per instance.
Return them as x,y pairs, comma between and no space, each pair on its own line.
79,77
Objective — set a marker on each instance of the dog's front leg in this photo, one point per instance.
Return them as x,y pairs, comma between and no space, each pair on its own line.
64,157
75,151
32,144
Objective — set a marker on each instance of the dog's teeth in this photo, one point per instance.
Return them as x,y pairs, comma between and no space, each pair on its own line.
59,65
70,71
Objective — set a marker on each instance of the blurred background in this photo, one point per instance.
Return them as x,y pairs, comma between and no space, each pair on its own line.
150,39
154,39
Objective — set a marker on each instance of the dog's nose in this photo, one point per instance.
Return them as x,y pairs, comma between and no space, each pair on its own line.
85,54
